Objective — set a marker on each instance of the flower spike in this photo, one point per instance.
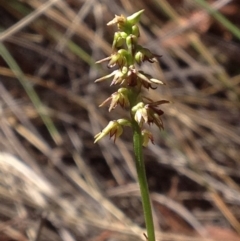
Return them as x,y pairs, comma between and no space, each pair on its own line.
127,57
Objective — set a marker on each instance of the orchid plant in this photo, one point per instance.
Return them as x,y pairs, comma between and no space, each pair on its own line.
128,56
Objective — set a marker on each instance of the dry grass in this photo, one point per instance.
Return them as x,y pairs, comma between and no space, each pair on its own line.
55,184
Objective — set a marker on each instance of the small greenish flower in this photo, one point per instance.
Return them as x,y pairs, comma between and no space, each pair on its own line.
120,97
144,54
140,113
121,76
114,129
149,113
121,58
154,114
147,135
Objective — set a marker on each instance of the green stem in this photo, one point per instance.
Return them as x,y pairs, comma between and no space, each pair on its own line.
221,18
137,143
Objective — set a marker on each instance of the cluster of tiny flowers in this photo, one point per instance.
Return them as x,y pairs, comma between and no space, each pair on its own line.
128,55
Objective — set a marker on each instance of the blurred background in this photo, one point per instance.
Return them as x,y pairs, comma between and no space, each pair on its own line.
55,184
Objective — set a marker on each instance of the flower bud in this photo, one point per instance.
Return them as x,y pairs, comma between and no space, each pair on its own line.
131,42
118,40
120,76
139,57
134,18
135,31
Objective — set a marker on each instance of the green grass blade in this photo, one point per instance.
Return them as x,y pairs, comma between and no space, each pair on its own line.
31,93
219,17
